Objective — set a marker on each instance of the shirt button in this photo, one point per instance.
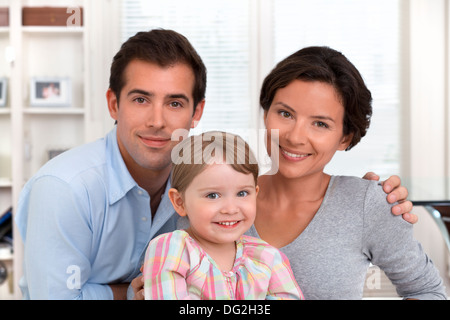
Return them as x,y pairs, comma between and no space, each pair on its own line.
140,192
144,218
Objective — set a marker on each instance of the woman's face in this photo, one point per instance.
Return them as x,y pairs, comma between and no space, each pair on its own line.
309,117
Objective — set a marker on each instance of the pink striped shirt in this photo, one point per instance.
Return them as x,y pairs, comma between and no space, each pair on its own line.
176,267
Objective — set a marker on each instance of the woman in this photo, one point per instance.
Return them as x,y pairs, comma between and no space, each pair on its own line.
330,227
392,187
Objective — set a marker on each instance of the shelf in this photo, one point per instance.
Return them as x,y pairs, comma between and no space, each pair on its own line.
30,131
5,183
54,111
52,30
5,252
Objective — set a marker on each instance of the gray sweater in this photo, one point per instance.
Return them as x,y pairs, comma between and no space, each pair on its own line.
354,227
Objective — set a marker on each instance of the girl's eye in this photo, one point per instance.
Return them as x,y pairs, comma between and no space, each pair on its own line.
212,195
242,193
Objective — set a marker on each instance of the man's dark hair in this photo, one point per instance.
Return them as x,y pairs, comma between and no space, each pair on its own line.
164,48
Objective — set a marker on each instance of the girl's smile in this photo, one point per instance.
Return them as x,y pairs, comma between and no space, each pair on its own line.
228,224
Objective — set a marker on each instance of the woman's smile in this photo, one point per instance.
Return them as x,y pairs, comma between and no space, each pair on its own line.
294,156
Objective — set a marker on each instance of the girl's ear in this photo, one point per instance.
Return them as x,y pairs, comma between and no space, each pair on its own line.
177,201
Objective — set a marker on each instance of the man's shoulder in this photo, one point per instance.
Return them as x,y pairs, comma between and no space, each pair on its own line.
71,163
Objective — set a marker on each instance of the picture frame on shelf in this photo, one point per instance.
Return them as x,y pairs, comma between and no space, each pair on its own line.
3,91
4,17
50,92
55,152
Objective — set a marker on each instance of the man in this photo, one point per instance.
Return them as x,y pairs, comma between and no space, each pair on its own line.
87,216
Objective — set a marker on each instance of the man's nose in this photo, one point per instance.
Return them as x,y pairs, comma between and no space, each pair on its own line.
155,117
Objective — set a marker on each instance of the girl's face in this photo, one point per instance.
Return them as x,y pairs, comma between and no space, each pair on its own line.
309,117
220,204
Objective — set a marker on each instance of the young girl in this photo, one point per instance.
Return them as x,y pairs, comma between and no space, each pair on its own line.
214,186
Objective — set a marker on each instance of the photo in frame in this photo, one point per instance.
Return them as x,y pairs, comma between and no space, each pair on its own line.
3,91
50,92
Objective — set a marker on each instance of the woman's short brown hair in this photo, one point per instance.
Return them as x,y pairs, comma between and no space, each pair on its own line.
192,155
330,66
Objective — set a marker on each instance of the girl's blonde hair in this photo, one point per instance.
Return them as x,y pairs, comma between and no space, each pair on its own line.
192,155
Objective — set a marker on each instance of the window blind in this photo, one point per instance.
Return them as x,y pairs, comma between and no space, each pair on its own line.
220,34
367,32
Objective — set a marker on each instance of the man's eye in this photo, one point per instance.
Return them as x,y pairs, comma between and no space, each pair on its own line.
175,104
140,100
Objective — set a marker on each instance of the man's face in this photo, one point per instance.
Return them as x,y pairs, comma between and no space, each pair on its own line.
154,102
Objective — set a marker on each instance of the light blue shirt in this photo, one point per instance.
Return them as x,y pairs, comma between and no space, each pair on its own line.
86,223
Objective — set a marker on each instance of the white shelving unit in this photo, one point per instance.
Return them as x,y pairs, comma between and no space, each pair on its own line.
81,53
28,133
6,255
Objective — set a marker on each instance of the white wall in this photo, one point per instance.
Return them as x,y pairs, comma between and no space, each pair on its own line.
426,102
103,21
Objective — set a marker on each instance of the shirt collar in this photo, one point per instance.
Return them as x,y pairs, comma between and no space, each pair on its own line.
120,179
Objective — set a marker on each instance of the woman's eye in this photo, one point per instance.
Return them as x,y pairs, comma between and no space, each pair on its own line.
321,124
242,193
212,195
285,114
